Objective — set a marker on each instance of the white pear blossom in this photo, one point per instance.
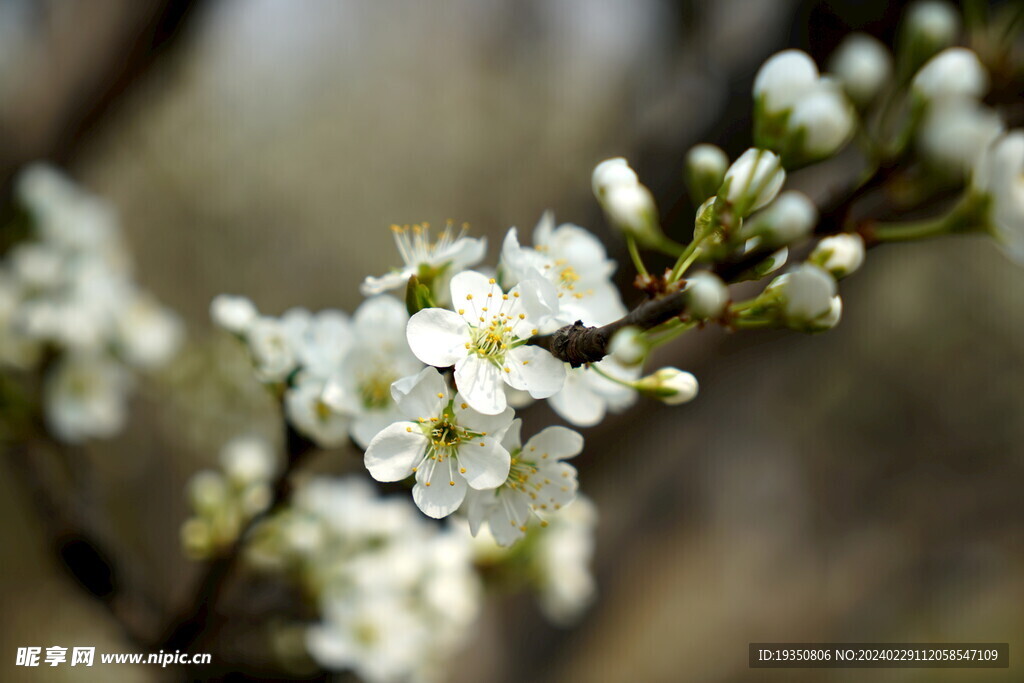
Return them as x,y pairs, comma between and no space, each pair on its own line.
840,254
575,262
822,120
953,136
753,180
379,355
612,173
863,65
789,218
86,397
631,209
784,79
955,72
447,444
588,397
451,253
934,22
312,416
273,349
248,459
485,339
671,386
236,314
539,482
149,334
706,295
999,175
565,550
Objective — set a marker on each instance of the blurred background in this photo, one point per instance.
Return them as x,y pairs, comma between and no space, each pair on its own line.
864,485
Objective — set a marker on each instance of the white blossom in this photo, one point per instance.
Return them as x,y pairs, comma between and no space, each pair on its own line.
86,397
955,72
612,173
706,295
149,334
863,65
539,483
784,79
235,314
999,175
575,262
955,134
669,385
273,349
451,253
807,296
628,346
447,444
753,180
822,120
840,254
378,356
705,169
565,550
485,339
933,21
312,416
631,209
789,218
588,397
248,459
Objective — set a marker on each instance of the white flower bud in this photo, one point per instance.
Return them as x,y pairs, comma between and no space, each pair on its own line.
840,254
628,346
208,492
611,173
789,218
830,319
248,459
669,385
233,313
806,295
783,79
823,120
863,65
1000,175
705,168
706,295
955,134
934,22
631,209
753,180
954,72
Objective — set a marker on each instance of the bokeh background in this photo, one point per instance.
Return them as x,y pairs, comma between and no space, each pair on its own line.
863,485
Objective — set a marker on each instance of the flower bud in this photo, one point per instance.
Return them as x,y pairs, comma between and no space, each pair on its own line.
789,218
248,460
706,295
999,176
820,123
753,180
669,385
611,173
705,170
208,492
863,65
929,27
628,346
954,72
840,254
631,209
830,319
236,314
783,79
955,134
805,295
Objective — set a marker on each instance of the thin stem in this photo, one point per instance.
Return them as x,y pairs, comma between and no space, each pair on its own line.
611,378
685,260
634,254
674,332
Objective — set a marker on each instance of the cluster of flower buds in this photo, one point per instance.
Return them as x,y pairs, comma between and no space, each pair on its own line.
223,500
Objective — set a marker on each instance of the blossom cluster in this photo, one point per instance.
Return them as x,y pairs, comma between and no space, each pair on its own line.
395,594
69,306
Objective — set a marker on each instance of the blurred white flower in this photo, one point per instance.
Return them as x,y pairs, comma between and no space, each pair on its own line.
999,175
379,355
705,170
273,349
784,79
485,339
312,416
628,346
822,120
86,397
955,72
565,550
588,397
840,254
753,180
539,482
451,253
863,65
248,460
575,262
446,444
236,314
933,22
706,295
954,135
628,205
807,294
150,334
612,173
789,218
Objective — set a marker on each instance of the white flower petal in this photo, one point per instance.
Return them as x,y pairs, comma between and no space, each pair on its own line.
485,461
577,402
492,425
535,370
393,453
437,336
425,398
469,287
444,494
378,285
479,382
554,443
